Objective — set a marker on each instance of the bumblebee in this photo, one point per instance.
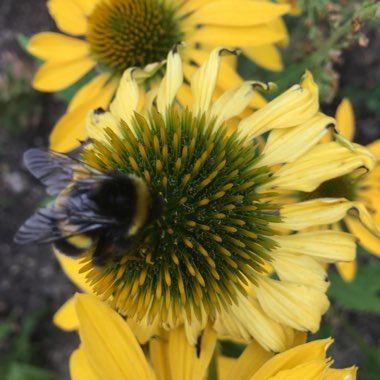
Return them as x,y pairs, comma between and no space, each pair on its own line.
100,211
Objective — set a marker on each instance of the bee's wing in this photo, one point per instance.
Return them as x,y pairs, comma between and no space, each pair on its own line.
51,224
41,228
55,170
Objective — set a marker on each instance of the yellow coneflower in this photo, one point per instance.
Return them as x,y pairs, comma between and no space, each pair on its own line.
206,261
109,350
110,36
356,186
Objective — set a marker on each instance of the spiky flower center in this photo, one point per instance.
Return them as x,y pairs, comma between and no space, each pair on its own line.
127,33
215,234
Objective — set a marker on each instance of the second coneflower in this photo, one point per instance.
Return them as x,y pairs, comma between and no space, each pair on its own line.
225,227
117,34
357,187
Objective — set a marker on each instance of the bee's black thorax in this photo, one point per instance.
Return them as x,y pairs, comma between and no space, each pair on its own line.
116,196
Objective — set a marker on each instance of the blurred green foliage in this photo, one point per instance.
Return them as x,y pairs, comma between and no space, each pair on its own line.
20,106
362,294
317,39
18,351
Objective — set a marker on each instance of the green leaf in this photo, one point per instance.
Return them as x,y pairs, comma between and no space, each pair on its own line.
67,94
23,41
363,294
371,366
5,329
22,371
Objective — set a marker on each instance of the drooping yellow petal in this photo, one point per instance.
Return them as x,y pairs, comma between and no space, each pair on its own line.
292,358
69,16
293,107
171,82
300,337
375,148
57,75
51,46
98,124
289,359
80,369
322,211
109,345
339,374
294,305
237,13
126,98
301,139
71,128
249,362
143,330
347,270
225,364
267,56
158,350
204,80
312,370
367,239
243,36
189,362
237,323
227,78
300,269
231,103
326,246
321,163
66,316
345,119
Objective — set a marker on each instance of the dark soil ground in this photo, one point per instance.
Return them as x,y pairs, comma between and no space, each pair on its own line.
30,277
